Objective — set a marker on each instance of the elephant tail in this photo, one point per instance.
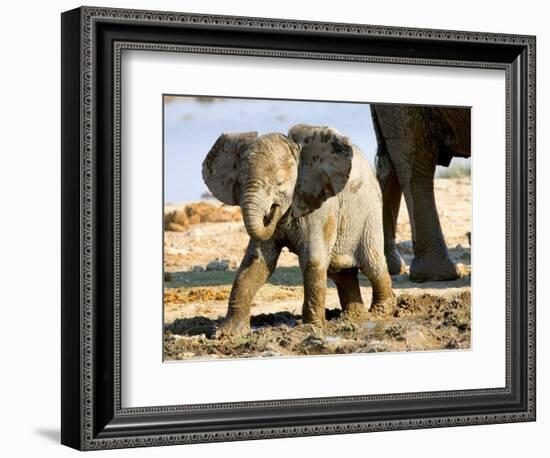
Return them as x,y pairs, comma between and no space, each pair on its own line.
384,167
382,148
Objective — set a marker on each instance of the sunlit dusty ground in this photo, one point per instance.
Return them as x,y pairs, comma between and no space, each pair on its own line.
429,316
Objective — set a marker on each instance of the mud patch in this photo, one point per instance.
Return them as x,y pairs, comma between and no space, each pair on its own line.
419,323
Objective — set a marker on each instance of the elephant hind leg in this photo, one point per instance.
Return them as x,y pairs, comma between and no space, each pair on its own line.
349,293
431,257
383,298
391,200
434,264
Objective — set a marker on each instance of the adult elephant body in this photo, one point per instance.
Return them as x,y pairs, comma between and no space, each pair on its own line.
412,141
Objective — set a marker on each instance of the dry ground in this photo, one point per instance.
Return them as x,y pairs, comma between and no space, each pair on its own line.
201,257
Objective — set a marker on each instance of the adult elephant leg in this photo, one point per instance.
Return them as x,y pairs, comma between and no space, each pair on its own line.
401,152
431,257
349,293
391,201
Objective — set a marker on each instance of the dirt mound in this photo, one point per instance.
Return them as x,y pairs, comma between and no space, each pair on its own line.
422,322
408,304
190,295
180,219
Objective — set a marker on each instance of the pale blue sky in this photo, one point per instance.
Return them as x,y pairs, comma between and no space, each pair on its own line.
191,128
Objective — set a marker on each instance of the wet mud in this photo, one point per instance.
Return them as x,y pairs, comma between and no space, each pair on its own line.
418,323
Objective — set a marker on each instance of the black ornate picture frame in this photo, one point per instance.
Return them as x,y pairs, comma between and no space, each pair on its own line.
92,42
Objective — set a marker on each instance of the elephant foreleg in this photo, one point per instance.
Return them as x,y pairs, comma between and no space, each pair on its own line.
349,293
256,267
315,288
391,200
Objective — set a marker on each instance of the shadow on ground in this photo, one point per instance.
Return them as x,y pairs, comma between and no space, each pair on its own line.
198,325
52,435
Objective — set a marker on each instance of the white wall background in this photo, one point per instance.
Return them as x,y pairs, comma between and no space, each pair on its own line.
30,230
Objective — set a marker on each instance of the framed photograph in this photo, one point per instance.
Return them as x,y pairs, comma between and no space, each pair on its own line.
276,228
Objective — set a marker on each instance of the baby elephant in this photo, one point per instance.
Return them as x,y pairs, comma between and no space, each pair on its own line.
315,193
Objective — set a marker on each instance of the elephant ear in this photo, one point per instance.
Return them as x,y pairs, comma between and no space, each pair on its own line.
324,166
221,167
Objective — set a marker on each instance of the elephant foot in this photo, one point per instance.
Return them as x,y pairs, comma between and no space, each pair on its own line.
383,306
233,326
396,265
355,311
433,267
317,321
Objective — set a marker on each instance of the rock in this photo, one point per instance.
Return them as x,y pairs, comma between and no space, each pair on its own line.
313,341
185,355
375,346
332,340
269,353
406,246
219,265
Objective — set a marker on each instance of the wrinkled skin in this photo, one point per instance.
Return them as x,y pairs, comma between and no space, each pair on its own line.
412,140
302,191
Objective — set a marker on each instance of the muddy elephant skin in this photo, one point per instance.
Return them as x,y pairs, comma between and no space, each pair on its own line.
412,140
315,193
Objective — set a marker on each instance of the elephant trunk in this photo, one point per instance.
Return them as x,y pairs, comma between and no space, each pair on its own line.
259,222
